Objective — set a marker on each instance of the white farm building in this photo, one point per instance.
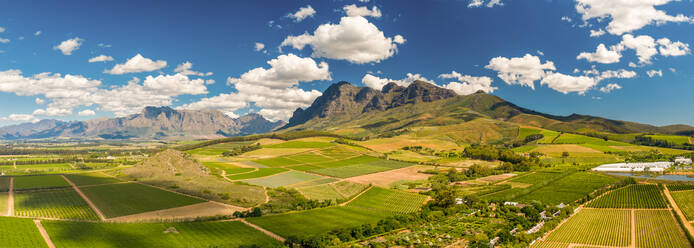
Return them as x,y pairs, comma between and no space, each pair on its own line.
638,167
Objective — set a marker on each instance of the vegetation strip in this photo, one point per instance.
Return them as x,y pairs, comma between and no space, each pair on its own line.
268,233
86,199
10,198
44,234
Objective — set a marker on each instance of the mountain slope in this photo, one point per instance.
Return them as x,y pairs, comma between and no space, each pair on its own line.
399,109
153,122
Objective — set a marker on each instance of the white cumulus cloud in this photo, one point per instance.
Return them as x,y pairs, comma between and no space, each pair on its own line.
520,70
377,83
354,39
259,46
601,55
626,16
86,112
466,84
185,69
302,13
274,90
610,87
138,63
101,58
653,73
68,46
353,10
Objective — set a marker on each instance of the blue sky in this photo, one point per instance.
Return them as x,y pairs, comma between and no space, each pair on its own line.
644,72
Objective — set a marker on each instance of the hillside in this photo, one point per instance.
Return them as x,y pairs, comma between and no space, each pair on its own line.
361,111
152,123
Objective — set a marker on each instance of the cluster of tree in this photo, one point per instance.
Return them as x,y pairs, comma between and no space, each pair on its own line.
55,161
254,212
420,150
241,150
283,200
512,161
35,151
649,141
527,139
650,156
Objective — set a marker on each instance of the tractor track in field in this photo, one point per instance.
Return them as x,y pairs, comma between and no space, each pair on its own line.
86,199
356,196
266,232
44,234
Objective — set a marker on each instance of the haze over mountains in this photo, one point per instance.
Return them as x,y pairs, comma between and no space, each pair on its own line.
153,122
343,106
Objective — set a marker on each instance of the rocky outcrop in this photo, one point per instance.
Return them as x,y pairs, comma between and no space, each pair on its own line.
344,99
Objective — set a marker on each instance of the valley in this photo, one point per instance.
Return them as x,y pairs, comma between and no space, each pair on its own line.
378,179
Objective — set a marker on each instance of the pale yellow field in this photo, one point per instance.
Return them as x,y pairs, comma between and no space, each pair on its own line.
386,178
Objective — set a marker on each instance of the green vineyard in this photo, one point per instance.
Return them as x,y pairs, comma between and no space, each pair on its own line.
633,196
605,227
61,204
658,229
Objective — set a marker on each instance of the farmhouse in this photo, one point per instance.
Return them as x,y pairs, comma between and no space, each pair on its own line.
683,161
640,167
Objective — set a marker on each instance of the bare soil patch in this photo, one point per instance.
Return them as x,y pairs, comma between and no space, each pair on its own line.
186,212
388,177
565,148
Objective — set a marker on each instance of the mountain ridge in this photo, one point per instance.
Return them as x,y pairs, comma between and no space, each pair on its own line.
322,113
152,122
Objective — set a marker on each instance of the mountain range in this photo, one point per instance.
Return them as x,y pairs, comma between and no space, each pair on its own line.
361,111
151,123
349,110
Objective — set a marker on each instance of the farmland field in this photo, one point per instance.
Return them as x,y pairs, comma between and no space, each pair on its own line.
633,196
90,179
658,228
549,244
361,169
685,201
283,179
19,233
606,227
58,203
39,182
261,172
192,234
3,203
680,187
568,189
131,198
4,184
277,162
368,208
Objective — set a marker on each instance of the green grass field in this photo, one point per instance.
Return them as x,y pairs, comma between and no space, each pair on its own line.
131,198
369,208
4,184
658,228
632,196
525,132
39,182
671,138
310,158
321,192
361,169
605,227
58,203
3,202
283,179
20,233
92,178
261,172
277,162
183,235
685,201
568,189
